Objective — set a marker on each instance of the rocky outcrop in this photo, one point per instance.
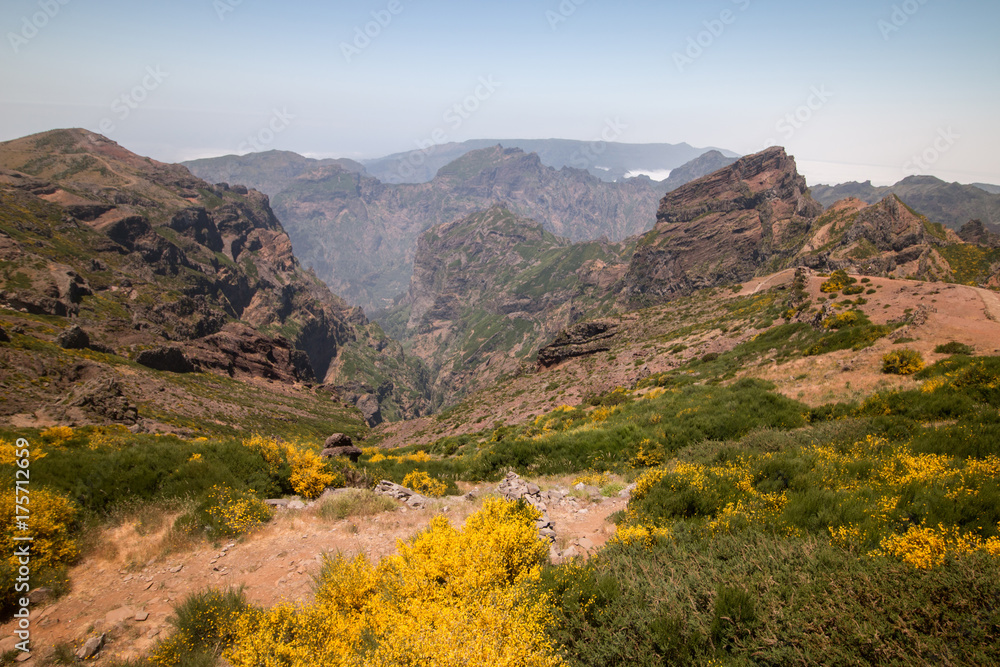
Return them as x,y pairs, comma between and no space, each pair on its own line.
240,350
169,359
975,231
514,488
578,341
722,228
104,399
338,445
703,165
408,496
73,338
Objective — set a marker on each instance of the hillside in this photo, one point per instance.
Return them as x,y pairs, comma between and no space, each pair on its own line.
488,290
117,268
269,172
951,204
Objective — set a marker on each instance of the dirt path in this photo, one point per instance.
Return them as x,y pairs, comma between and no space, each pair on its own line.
130,584
991,302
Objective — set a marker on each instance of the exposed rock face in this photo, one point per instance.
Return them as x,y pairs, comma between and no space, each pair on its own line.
578,341
105,399
4,337
349,451
170,359
976,232
73,338
887,238
722,228
338,440
200,277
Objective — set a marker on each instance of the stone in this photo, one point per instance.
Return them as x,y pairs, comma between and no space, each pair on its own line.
579,340
40,595
349,451
4,338
73,338
169,359
141,616
176,569
91,647
118,616
277,502
585,543
338,440
296,505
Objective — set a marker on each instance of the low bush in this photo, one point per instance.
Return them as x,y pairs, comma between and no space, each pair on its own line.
902,362
204,625
354,503
954,347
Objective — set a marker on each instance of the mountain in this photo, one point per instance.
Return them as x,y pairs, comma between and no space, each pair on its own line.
703,165
269,172
489,289
606,160
152,267
951,204
723,228
992,189
360,234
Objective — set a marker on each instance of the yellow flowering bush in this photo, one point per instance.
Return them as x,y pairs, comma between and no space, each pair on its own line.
902,362
450,597
647,536
228,512
57,435
422,483
308,475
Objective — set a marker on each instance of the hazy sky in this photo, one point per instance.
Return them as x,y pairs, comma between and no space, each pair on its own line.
854,89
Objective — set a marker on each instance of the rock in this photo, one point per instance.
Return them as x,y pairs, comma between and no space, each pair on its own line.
4,338
118,616
40,595
73,338
105,398
141,616
585,543
277,502
579,340
90,648
169,359
296,505
338,440
515,488
627,491
370,409
23,656
177,568
408,496
350,451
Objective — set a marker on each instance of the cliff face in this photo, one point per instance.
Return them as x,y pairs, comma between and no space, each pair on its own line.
722,228
145,257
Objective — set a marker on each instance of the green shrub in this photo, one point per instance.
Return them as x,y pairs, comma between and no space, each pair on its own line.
954,347
354,502
226,512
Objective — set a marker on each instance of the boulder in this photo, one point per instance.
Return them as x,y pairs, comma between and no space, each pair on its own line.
91,647
408,496
73,338
350,451
338,440
579,340
4,338
170,359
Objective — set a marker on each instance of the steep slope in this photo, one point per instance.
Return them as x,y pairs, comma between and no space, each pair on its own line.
951,204
488,290
360,234
163,269
269,172
723,228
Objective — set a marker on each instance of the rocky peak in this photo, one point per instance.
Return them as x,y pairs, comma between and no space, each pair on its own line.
722,228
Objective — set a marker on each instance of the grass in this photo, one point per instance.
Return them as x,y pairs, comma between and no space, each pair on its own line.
354,503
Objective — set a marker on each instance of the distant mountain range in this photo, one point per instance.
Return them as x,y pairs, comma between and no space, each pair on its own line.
606,160
360,233
951,204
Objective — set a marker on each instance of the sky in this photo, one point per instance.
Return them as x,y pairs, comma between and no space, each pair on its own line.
855,90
